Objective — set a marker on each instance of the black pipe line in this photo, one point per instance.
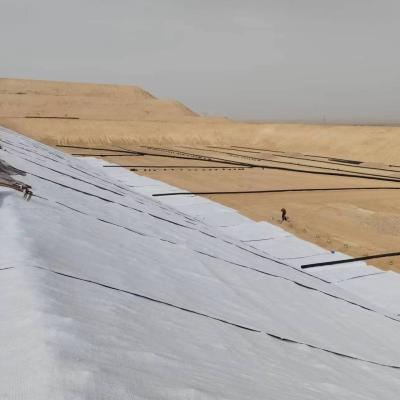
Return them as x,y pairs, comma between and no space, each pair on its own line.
361,174
313,166
275,191
345,261
194,156
218,160
350,174
255,148
189,168
330,161
97,148
170,166
105,155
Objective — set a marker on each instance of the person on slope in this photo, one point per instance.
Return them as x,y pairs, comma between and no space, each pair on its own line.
27,192
284,215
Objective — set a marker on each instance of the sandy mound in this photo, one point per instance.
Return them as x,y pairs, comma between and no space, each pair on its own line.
54,88
27,99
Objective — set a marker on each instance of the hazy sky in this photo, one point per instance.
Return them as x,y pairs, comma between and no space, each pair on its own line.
256,59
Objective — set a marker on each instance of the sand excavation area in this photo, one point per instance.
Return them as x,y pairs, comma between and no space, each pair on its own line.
339,184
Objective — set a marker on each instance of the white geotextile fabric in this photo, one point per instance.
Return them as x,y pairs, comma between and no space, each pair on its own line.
274,241
382,289
288,247
112,294
255,231
260,235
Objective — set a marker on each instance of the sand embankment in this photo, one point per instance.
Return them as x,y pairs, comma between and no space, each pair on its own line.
59,112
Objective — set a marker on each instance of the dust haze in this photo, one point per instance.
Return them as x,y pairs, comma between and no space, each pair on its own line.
305,61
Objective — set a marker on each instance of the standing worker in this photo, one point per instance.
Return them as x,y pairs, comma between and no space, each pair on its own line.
284,217
27,192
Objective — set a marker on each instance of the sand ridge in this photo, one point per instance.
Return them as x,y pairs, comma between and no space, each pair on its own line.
48,100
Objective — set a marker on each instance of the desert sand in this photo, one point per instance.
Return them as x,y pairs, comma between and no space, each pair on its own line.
111,117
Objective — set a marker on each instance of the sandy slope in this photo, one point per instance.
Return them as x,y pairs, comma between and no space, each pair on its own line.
128,114
374,144
355,222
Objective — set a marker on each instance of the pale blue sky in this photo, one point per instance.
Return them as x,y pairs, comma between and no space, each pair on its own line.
283,60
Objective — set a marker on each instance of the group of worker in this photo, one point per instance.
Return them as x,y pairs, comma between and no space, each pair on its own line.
20,187
6,180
